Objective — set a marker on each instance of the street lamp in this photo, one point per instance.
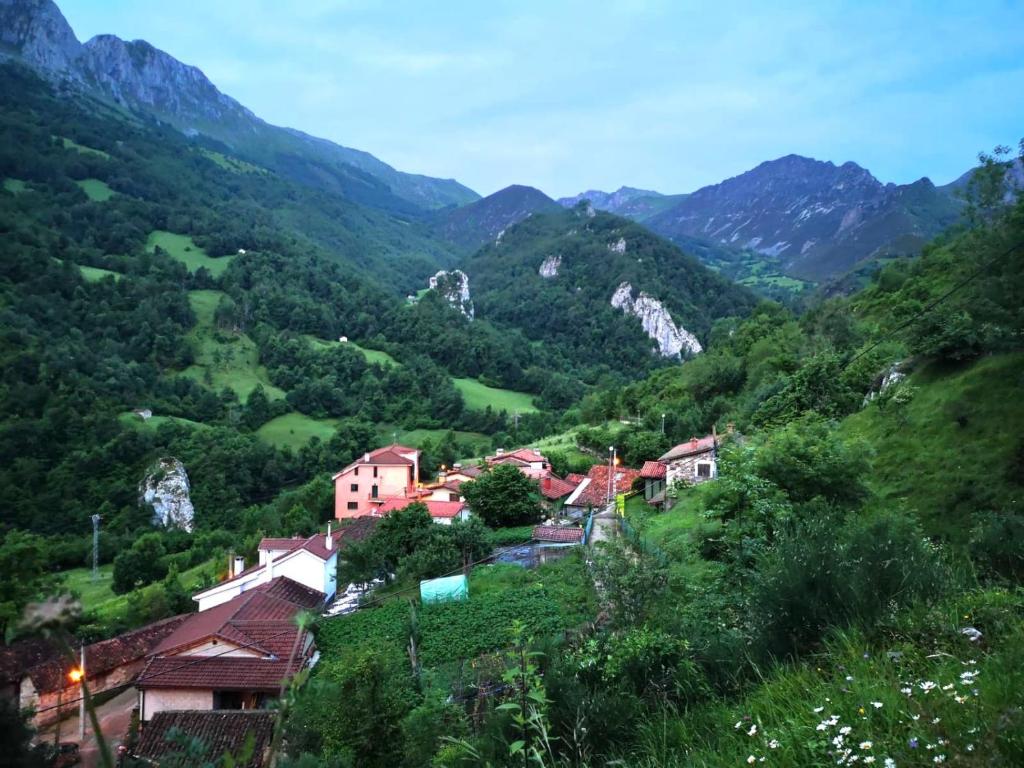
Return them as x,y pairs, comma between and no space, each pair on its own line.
663,423
611,470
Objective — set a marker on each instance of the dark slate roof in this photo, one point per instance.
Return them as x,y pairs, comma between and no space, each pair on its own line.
561,534
220,731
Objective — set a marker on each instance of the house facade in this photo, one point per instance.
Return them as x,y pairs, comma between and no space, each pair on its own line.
364,485
692,462
441,512
654,473
311,561
234,656
530,462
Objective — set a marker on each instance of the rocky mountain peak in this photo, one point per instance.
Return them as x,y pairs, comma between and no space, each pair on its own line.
37,31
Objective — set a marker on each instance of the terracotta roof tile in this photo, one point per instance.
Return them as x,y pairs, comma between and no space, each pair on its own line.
553,487
221,673
653,470
690,447
596,492
220,731
438,509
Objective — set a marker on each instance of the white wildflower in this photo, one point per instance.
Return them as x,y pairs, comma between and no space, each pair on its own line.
939,759
773,744
926,686
845,730
869,759
751,760
865,745
753,730
890,763
876,704
818,710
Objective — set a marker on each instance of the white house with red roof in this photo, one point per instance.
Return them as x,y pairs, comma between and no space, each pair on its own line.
529,461
235,655
311,561
441,512
364,485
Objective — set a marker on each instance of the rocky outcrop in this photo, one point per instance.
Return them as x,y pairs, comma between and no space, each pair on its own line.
39,33
672,340
619,246
892,375
165,489
453,285
549,268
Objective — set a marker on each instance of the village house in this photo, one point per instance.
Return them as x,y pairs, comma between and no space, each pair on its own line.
692,462
311,561
459,473
527,460
441,512
36,675
364,485
235,655
598,488
653,473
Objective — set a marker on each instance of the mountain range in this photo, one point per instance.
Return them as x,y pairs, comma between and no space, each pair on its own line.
811,219
144,79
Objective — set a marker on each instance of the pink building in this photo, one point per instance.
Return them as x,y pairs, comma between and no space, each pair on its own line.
365,484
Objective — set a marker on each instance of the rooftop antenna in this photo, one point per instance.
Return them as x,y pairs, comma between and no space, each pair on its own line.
95,547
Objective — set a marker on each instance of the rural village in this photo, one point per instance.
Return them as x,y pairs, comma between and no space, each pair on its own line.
216,674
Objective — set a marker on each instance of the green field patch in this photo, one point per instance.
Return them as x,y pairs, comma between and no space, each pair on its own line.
478,396
478,442
776,281
96,190
374,356
224,358
232,164
93,274
950,449
181,248
69,144
155,422
15,186
295,430
98,596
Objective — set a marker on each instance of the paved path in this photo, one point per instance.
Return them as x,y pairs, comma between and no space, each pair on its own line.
606,525
115,717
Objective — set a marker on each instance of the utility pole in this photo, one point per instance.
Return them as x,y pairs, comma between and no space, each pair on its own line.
81,693
611,470
95,547
515,421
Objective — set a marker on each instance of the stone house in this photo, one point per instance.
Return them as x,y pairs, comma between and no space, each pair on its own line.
692,462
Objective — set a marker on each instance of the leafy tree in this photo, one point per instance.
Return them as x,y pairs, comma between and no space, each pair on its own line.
632,581
503,496
23,575
141,564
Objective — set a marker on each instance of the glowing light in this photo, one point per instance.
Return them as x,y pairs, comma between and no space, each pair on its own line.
75,675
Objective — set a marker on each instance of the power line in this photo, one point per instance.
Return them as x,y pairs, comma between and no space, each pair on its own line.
935,302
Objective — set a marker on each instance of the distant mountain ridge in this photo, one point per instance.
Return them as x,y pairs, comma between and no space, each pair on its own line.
143,78
637,204
483,221
814,219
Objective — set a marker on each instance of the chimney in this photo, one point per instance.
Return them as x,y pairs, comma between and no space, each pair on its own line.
328,541
239,565
456,467
269,565
366,458
500,452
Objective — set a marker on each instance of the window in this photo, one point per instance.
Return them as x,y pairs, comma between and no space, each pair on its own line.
374,471
703,470
353,505
354,487
373,492
227,699
357,471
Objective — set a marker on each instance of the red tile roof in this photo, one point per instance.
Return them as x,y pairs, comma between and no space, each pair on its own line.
653,470
293,592
48,669
219,731
388,455
221,673
561,534
596,492
525,455
553,487
575,477
438,509
690,447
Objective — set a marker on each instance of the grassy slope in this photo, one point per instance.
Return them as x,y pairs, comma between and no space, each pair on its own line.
181,248
96,190
15,186
69,144
371,355
224,359
295,430
478,396
156,421
948,452
99,597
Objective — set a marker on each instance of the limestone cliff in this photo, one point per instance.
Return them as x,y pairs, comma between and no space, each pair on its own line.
672,340
549,267
453,285
165,489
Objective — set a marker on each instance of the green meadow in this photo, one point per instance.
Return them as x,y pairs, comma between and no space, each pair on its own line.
294,430
96,190
224,358
181,248
15,186
371,355
478,396
69,144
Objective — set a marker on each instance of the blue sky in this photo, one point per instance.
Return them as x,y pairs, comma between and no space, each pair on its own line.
567,96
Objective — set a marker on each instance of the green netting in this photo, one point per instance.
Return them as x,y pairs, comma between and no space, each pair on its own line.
443,590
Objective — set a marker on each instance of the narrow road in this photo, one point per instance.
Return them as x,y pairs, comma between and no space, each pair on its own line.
115,716
606,525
